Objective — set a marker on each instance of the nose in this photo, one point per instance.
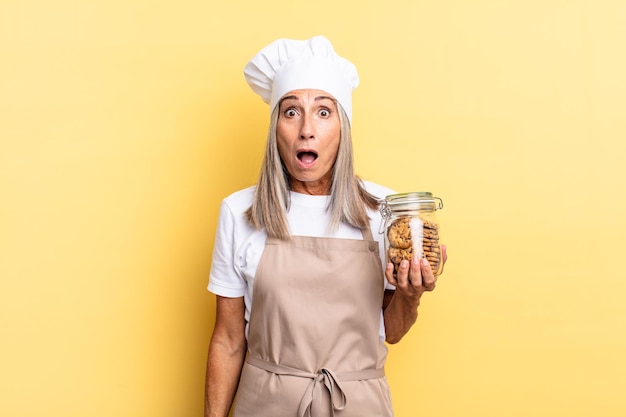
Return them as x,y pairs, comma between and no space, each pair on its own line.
307,127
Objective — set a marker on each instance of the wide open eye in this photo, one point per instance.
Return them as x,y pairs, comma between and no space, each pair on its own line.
324,112
291,112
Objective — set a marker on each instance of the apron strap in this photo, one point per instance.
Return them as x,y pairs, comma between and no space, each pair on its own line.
324,378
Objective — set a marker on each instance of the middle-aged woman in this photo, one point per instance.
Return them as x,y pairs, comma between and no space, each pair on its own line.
303,308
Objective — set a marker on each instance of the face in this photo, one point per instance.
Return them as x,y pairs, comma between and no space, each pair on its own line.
308,134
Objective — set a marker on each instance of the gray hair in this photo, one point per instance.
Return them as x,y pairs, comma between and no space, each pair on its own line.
349,200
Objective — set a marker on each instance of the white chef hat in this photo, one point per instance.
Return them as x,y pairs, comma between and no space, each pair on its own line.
286,65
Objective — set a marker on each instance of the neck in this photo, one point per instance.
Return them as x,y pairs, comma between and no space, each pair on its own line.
310,187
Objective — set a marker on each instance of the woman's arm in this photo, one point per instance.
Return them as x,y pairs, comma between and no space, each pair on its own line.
227,352
400,306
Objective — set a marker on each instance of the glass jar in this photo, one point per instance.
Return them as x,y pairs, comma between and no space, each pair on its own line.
411,228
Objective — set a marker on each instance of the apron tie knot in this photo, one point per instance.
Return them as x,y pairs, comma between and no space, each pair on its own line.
314,393
313,398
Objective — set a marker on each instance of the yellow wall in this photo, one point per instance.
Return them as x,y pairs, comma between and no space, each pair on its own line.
124,123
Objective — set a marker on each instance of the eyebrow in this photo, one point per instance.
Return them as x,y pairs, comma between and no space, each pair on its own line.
317,98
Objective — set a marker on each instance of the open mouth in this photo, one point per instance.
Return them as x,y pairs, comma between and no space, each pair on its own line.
307,157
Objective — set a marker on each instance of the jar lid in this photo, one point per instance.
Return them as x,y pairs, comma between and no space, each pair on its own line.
414,200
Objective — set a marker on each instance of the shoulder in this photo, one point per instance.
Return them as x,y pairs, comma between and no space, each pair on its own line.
377,190
232,219
239,201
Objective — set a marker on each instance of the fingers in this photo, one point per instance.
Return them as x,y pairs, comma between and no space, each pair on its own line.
401,278
389,275
406,274
428,277
415,273
414,277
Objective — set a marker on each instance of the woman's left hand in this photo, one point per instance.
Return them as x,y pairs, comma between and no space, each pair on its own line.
415,277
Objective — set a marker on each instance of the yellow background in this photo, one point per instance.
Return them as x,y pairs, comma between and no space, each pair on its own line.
124,123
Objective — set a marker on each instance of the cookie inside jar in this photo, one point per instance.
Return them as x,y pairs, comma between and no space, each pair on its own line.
412,235
411,228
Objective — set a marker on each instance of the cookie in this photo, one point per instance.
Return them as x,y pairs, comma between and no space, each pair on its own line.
411,235
430,225
400,234
430,234
431,251
396,255
430,242
432,254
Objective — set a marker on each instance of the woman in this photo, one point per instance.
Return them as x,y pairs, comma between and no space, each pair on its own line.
303,309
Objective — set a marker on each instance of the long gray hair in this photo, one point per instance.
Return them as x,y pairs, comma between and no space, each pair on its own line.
349,200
